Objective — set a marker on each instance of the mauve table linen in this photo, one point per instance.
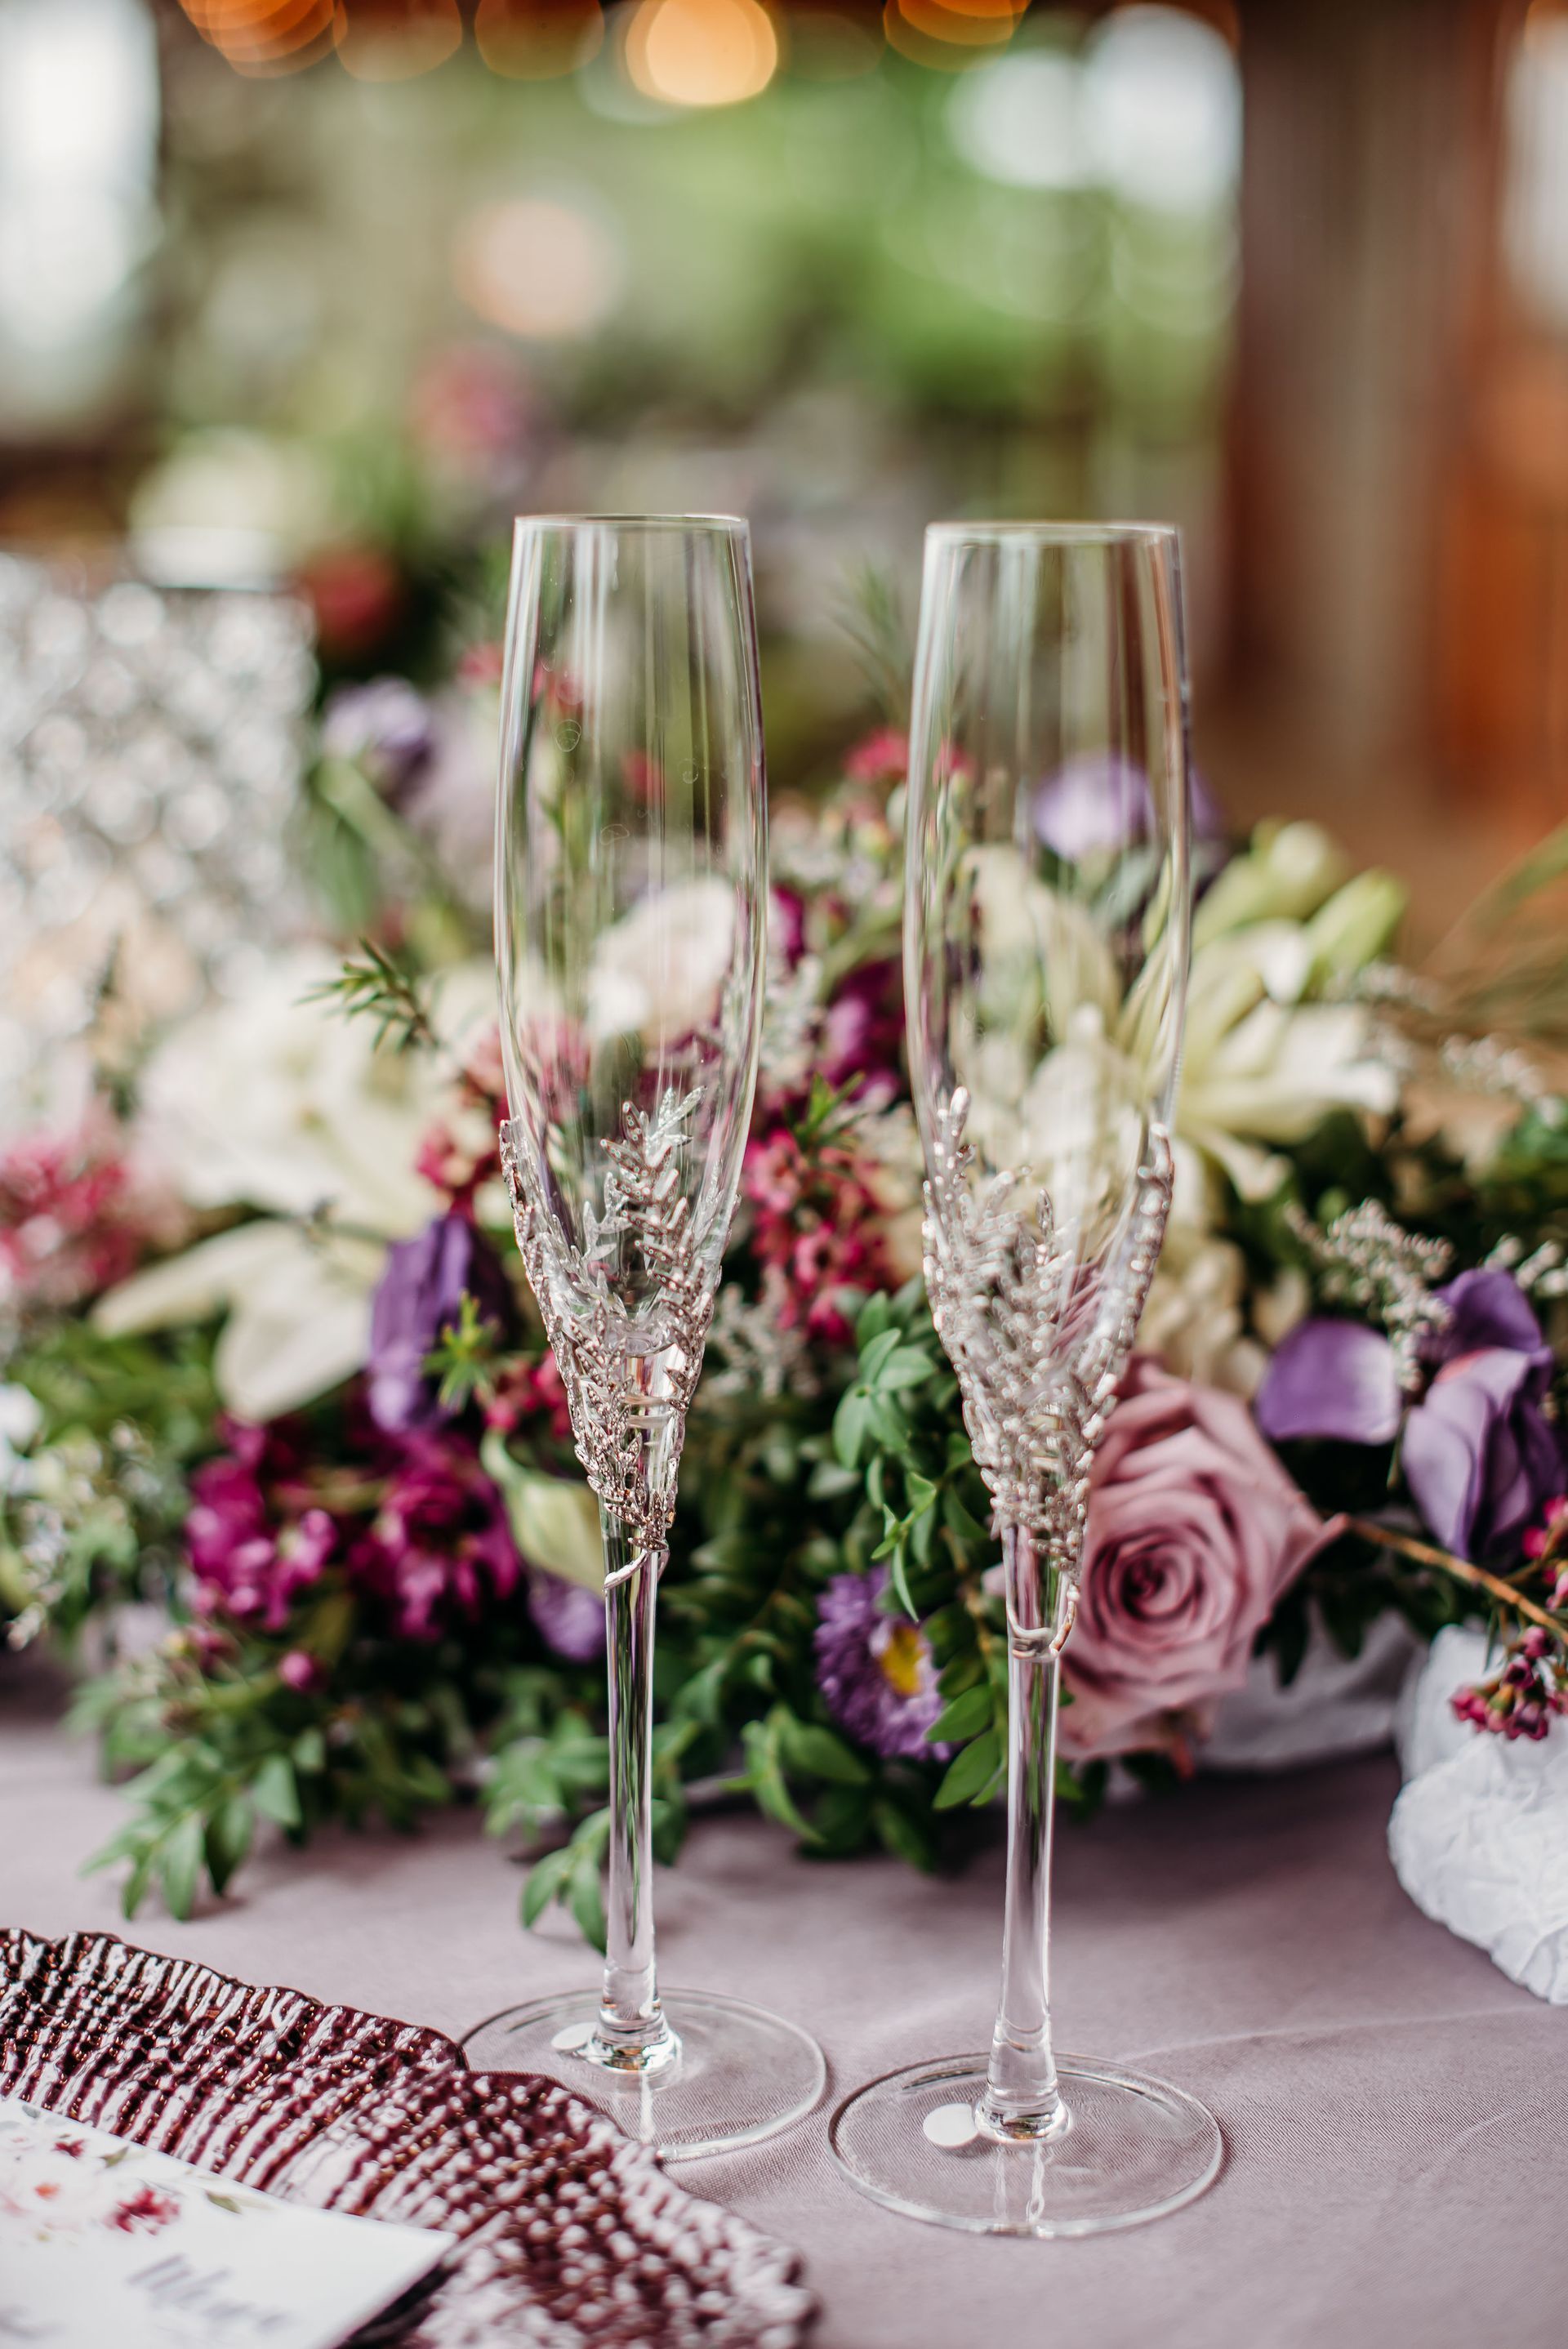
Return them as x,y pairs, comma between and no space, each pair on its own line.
1395,2111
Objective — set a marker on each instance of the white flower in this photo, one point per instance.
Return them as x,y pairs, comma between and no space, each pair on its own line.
297,1309
659,972
274,1102
1194,1320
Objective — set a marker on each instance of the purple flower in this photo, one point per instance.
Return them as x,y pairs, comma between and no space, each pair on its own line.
1479,1455
1098,802
420,1294
1334,1379
439,1544
875,1670
569,1618
384,727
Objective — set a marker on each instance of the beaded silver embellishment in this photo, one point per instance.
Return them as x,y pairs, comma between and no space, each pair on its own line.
1037,1366
629,1374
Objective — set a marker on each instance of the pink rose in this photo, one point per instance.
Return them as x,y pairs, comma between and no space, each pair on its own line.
1194,1530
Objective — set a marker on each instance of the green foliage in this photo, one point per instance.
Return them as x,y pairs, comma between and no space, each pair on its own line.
377,988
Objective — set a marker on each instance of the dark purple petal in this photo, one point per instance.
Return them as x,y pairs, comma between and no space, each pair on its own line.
1489,1308
1444,1457
419,1295
1479,1457
1332,1379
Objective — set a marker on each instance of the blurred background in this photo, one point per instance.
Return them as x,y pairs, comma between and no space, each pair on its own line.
316,293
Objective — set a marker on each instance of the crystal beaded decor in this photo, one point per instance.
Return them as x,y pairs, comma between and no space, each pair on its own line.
150,746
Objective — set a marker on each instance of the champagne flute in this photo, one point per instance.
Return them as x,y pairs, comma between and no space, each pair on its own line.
631,909
1045,947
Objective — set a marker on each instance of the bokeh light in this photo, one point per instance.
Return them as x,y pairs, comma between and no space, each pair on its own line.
535,40
266,37
702,52
541,266
944,38
393,40
1020,120
78,138
1164,108
966,28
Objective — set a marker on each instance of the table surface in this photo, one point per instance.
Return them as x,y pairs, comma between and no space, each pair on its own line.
1393,2108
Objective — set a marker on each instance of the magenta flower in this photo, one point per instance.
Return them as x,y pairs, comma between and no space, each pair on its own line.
251,1563
862,1027
876,1672
439,1544
881,757
1479,1454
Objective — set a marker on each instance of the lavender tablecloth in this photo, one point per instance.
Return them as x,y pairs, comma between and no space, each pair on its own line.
1395,2113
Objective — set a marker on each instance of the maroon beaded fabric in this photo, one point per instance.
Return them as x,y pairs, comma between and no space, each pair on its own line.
567,2232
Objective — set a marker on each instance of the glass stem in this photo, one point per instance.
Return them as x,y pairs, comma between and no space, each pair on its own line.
1022,2099
632,2034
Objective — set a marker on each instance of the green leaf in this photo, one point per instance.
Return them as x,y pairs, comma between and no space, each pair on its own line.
971,1772
180,1868
898,1579
965,1718
906,1838
554,1519
309,1751
820,1753
274,1791
850,1424
228,1833
875,1316
587,1900
910,1366
965,1529
545,1882
879,1350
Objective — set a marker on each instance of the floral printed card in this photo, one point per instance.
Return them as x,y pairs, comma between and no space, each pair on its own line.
103,2241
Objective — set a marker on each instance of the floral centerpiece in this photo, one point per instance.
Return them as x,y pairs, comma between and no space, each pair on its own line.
279,1418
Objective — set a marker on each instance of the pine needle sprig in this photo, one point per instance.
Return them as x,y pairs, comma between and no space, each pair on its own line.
376,987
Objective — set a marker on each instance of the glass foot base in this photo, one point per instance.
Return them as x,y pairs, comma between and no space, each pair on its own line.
1131,2149
741,2074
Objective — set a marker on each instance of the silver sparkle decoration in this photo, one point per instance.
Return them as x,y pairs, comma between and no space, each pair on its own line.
1001,1293
629,1376
1369,1261
150,746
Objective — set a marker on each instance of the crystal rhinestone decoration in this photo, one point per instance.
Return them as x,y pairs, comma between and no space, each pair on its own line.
150,746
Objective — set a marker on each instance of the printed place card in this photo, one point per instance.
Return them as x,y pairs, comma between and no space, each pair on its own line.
102,2242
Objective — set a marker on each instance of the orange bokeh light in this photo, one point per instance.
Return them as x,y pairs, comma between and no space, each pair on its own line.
262,36
702,52
966,28
945,37
535,40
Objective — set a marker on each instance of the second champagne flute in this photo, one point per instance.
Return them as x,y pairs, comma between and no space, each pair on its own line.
631,907
1046,942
